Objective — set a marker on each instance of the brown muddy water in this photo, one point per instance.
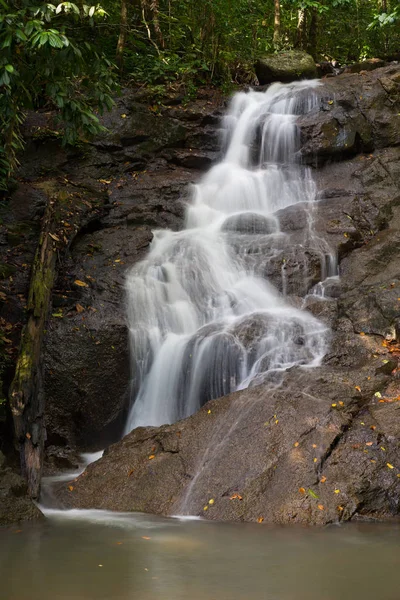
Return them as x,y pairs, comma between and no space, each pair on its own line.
94,555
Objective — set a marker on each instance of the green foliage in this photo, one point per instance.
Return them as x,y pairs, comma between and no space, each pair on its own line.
217,41
386,19
48,60
61,56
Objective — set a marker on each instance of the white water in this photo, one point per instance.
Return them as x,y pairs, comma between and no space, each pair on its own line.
203,318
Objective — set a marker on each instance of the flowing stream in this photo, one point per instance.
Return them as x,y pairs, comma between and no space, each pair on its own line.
204,319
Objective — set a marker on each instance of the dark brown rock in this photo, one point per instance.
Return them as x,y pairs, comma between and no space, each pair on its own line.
359,114
284,452
15,505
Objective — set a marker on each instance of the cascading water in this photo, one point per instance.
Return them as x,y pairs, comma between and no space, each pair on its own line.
204,320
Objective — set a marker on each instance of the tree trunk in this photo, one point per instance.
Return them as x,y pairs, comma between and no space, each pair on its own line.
26,393
156,23
277,24
301,28
122,35
313,34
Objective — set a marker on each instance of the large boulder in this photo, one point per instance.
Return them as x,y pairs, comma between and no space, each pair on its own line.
354,114
308,452
285,67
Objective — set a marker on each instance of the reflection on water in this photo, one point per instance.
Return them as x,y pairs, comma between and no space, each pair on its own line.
92,555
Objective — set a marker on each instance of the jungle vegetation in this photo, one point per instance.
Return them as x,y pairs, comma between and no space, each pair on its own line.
72,57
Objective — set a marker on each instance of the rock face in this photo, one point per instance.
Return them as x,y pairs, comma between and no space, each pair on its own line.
322,446
138,176
281,456
14,503
357,115
285,67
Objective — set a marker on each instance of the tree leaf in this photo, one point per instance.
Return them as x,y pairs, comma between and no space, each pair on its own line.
311,493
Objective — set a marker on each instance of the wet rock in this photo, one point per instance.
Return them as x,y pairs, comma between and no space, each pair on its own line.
325,68
370,64
322,308
145,165
15,505
299,455
358,114
73,352
285,67
193,160
250,223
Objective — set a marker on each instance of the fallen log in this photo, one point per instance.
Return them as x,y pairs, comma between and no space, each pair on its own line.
26,392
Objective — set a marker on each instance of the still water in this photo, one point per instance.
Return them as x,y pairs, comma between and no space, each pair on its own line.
91,555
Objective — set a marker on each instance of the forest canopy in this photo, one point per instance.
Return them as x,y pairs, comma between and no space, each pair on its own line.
72,56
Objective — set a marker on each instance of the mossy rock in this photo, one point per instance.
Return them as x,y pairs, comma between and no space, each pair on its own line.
285,67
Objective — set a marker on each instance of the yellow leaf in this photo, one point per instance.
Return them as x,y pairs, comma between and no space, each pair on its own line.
362,333
383,449
340,508
260,519
123,116
323,479
341,403
390,466
80,283
357,387
334,405
211,502
209,412
302,490
296,444
337,491
236,497
276,422
330,101
205,508
321,506
70,487
151,456
315,460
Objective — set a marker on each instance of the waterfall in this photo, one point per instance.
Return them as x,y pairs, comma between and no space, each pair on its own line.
204,320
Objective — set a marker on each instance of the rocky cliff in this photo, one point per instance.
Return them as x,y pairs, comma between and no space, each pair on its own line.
320,448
